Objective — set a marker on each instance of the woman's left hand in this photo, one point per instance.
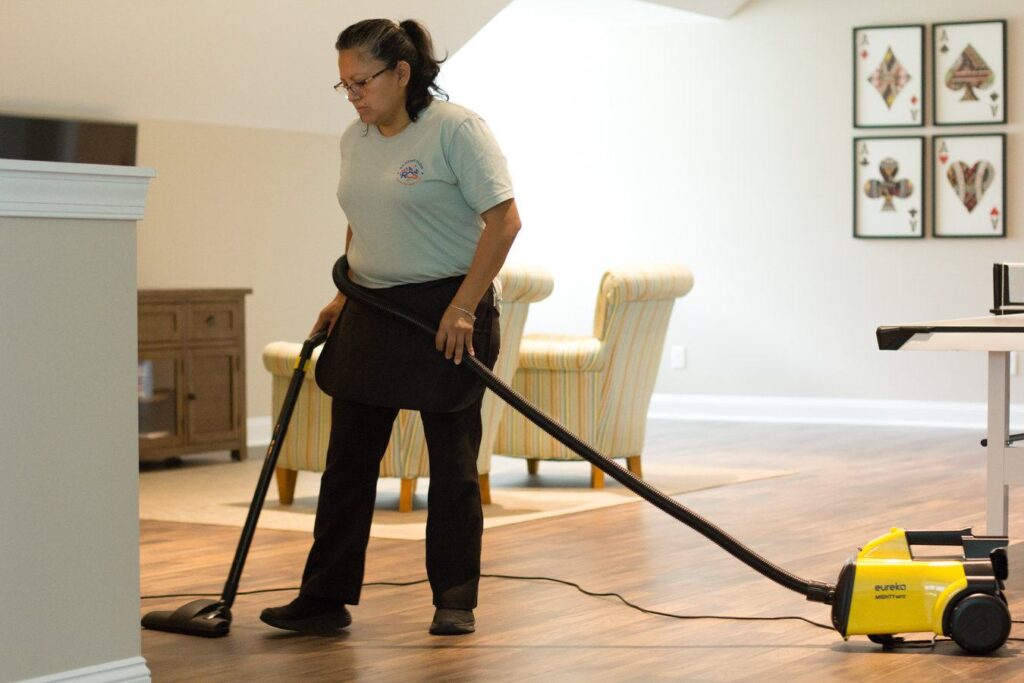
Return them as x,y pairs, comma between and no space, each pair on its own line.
455,334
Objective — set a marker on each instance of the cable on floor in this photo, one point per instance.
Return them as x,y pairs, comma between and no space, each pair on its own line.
898,643
524,578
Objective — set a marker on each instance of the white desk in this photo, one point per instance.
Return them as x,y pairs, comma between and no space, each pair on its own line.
996,335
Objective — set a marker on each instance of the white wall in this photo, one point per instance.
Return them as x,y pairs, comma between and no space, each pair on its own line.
726,145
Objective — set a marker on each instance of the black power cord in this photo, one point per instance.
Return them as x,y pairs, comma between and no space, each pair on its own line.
897,643
524,578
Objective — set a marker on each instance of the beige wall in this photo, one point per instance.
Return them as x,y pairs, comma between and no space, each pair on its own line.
244,207
260,63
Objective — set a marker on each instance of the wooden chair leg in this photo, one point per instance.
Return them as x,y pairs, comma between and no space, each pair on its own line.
633,465
531,466
596,478
485,489
406,494
286,484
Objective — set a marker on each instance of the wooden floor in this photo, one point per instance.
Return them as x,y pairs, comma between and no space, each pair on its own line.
851,485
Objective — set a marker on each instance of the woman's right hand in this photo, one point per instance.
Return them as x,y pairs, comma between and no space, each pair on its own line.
329,315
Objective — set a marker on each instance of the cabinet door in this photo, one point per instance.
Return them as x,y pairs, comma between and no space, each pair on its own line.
161,403
214,394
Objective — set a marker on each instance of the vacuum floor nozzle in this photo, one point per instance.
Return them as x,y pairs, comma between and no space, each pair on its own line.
212,618
206,618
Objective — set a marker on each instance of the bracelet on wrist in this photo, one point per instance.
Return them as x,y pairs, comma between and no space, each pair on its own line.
463,310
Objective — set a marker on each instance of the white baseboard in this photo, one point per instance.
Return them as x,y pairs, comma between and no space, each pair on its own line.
824,411
132,670
258,431
850,411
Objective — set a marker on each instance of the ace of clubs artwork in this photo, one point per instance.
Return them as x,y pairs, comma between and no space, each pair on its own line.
969,179
888,187
969,62
888,76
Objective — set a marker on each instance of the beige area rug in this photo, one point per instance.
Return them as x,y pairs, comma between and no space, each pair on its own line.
212,491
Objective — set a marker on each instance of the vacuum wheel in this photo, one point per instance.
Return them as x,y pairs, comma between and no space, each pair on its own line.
887,641
980,623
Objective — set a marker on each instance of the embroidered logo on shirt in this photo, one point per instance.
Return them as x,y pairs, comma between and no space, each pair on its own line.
410,172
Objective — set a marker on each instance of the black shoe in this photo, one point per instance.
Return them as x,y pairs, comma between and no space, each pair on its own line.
452,622
308,615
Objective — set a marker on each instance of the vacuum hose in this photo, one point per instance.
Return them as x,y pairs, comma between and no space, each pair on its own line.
814,590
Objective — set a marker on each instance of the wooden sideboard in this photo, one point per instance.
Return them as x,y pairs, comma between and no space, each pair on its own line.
191,372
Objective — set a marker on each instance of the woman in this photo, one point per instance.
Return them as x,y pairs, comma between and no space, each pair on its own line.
431,217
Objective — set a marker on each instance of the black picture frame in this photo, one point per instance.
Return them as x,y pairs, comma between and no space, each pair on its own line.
907,222
866,59
942,205
943,112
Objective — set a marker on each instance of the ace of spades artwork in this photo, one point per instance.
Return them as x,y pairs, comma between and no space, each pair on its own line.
969,73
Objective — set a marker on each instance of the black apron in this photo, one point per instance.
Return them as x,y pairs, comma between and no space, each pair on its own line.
375,359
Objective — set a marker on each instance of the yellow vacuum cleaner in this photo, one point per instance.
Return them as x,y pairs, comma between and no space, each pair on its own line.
885,590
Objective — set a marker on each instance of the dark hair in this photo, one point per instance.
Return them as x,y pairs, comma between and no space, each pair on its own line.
389,42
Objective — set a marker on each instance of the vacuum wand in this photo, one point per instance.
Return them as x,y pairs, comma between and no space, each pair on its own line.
814,590
212,618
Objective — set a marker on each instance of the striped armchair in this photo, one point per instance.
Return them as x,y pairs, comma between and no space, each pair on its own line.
305,446
598,387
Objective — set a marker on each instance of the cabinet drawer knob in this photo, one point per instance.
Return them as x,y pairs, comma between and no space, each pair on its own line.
191,396
210,319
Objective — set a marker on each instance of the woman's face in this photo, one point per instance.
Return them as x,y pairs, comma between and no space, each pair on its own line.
378,93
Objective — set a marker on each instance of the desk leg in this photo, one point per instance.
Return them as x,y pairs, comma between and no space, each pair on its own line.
997,514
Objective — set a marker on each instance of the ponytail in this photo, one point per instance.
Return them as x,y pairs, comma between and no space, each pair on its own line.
424,73
391,43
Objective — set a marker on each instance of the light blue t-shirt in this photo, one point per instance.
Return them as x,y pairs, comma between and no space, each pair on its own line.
414,199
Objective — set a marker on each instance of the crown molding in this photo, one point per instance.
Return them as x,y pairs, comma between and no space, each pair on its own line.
49,189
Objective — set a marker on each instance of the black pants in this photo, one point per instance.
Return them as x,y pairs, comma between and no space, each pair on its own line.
348,491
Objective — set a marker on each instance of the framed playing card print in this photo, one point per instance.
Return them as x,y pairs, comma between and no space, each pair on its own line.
888,76
888,187
969,185
969,67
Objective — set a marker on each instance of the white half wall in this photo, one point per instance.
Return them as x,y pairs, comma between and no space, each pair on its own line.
69,546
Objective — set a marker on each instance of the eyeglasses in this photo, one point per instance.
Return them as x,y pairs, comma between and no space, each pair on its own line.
355,88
